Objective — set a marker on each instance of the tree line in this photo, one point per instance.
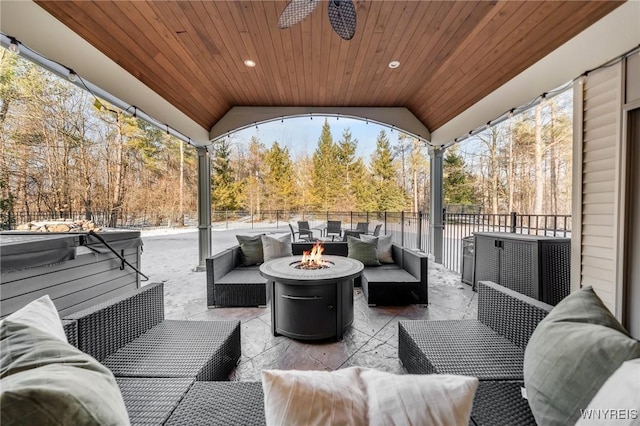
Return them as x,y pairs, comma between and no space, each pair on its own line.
62,152
522,164
257,177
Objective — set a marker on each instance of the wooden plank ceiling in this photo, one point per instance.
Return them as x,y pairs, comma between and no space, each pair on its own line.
452,53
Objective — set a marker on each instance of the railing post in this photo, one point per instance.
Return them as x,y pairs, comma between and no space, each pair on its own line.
419,242
277,219
402,228
351,219
226,219
385,221
367,215
251,219
514,217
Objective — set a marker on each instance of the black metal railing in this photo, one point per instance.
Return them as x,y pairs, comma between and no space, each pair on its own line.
410,229
458,226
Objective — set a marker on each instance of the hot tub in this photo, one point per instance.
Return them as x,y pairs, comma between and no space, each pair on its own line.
75,269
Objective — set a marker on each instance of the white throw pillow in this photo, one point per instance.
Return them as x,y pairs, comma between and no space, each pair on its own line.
385,255
618,400
364,396
42,314
275,246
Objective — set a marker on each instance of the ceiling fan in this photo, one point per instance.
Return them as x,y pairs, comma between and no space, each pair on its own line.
342,15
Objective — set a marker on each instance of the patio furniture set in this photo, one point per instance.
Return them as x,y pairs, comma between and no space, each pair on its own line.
333,230
175,372
402,281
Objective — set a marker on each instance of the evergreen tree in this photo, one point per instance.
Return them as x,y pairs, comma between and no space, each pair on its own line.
458,182
346,159
225,190
278,178
388,194
325,189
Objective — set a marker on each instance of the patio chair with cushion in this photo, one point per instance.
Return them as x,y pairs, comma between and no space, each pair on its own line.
333,229
490,348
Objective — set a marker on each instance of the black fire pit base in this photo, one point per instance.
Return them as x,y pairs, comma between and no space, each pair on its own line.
313,304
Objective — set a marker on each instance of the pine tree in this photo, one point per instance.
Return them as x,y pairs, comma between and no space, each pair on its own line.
278,178
345,167
388,194
458,184
325,173
225,190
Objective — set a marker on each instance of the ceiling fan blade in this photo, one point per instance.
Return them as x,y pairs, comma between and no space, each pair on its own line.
296,11
342,15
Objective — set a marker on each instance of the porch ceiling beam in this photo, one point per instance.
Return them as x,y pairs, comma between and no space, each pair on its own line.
241,117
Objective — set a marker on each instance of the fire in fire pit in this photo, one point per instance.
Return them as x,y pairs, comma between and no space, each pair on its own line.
313,259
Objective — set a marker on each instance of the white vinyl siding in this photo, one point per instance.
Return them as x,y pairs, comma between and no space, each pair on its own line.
595,251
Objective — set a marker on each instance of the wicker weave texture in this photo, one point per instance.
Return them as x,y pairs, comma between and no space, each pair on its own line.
556,277
465,347
108,326
221,403
500,403
245,294
71,330
509,313
151,401
205,350
518,267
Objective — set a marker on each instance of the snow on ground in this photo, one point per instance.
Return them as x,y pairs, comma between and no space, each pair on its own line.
170,252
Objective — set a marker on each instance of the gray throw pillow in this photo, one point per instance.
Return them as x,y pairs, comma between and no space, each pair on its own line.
364,251
274,246
571,353
46,381
385,255
250,249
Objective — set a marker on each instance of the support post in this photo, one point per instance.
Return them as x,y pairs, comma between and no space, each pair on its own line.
204,207
437,219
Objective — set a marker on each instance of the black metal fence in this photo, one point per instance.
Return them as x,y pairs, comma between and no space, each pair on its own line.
410,229
124,220
457,226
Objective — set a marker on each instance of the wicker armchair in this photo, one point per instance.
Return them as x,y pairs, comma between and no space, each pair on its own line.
158,363
490,348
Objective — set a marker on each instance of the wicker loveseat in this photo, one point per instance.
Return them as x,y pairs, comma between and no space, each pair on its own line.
159,364
490,348
401,283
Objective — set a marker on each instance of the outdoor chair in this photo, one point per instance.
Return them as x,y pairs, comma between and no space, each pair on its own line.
305,229
351,233
333,229
362,227
376,231
302,235
490,348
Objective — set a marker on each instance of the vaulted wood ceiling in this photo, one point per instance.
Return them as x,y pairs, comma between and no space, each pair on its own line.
452,53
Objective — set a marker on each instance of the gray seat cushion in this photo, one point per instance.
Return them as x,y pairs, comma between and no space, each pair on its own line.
465,347
205,350
248,275
388,275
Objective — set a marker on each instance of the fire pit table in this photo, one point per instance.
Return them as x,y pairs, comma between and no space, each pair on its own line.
311,304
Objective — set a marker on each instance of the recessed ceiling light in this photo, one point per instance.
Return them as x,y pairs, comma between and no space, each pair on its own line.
394,64
250,63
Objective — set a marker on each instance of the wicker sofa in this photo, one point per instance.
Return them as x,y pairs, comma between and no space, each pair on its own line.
490,348
401,283
160,364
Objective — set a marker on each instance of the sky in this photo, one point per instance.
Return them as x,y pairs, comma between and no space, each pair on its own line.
301,134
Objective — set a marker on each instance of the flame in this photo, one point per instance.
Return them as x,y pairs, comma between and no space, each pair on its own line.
313,258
